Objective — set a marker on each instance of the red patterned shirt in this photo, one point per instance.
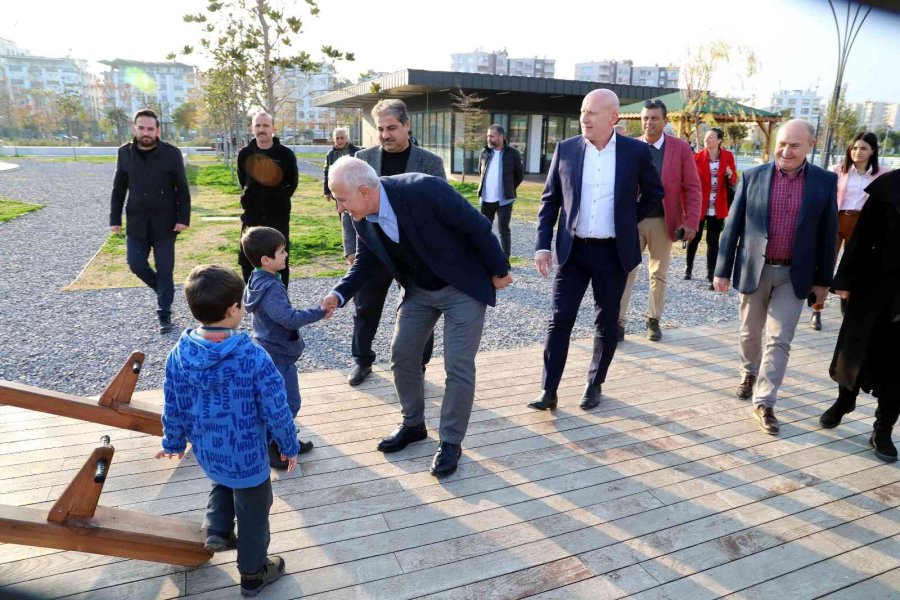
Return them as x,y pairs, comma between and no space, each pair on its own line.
784,206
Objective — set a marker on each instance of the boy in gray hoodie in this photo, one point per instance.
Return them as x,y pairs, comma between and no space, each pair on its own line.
275,322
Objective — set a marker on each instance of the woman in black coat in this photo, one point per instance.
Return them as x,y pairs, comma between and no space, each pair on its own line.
867,355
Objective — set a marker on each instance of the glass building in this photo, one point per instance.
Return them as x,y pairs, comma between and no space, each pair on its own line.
535,112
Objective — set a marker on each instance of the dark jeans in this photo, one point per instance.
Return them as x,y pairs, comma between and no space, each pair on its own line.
247,268
713,231
251,508
598,265
369,301
138,252
504,215
291,385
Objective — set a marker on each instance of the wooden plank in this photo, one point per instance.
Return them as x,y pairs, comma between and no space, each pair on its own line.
831,575
886,585
110,531
123,416
746,572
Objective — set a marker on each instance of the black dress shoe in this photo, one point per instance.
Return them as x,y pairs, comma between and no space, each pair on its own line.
445,459
546,400
403,436
165,324
591,397
815,321
358,374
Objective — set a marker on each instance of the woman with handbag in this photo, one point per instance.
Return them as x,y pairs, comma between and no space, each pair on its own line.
858,169
717,171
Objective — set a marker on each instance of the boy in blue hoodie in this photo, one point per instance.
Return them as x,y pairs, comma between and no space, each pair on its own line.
275,322
224,395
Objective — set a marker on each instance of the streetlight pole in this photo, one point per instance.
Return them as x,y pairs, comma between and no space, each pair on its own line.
845,44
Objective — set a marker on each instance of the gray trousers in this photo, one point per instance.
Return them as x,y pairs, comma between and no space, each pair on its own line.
251,508
463,324
776,308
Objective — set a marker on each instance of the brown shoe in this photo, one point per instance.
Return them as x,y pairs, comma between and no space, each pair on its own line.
745,389
765,418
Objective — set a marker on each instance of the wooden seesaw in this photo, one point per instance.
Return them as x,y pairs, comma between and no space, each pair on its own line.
114,407
75,522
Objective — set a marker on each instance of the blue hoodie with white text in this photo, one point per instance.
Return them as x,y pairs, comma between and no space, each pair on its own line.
223,398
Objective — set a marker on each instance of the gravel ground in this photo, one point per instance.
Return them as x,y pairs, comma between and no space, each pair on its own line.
76,341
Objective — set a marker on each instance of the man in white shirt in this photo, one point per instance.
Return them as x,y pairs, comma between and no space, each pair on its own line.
501,169
599,186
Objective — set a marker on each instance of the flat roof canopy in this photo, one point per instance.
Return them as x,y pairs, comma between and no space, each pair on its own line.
410,83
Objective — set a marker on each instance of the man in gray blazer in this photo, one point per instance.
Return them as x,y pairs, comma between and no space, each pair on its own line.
394,155
778,244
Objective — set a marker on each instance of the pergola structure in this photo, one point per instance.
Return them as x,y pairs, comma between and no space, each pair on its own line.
706,108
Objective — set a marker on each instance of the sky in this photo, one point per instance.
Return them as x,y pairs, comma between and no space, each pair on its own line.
794,41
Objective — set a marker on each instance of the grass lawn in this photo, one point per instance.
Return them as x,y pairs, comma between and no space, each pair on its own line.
10,209
215,229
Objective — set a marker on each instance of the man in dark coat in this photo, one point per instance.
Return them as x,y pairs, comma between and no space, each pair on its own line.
501,171
442,253
267,172
342,147
151,173
867,355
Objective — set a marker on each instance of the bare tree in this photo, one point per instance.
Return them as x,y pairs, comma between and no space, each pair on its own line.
699,68
475,122
257,40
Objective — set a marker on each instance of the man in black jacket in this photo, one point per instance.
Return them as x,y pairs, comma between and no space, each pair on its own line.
342,147
501,170
267,172
151,173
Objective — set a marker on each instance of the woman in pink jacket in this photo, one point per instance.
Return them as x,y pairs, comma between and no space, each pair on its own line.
716,168
858,169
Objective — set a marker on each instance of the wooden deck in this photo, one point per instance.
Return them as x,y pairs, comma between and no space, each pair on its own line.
666,490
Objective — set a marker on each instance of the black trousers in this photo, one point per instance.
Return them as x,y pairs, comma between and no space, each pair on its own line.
250,506
369,301
599,266
504,216
137,252
713,231
247,268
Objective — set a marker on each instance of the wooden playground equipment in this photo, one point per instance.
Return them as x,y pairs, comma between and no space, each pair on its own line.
114,408
75,522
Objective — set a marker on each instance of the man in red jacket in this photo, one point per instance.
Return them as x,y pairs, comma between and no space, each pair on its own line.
679,212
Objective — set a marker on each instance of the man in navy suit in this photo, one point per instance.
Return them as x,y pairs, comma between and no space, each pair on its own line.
599,187
778,245
442,252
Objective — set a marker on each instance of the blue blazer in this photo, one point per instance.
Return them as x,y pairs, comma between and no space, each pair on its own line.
638,190
450,235
742,251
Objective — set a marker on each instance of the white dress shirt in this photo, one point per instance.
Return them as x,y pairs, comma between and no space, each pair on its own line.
854,196
491,189
596,213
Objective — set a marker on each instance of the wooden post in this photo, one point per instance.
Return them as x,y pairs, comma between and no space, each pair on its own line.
121,388
81,495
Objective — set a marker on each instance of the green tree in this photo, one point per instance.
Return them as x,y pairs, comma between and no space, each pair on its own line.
737,132
475,123
258,41
70,107
185,117
118,121
843,122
